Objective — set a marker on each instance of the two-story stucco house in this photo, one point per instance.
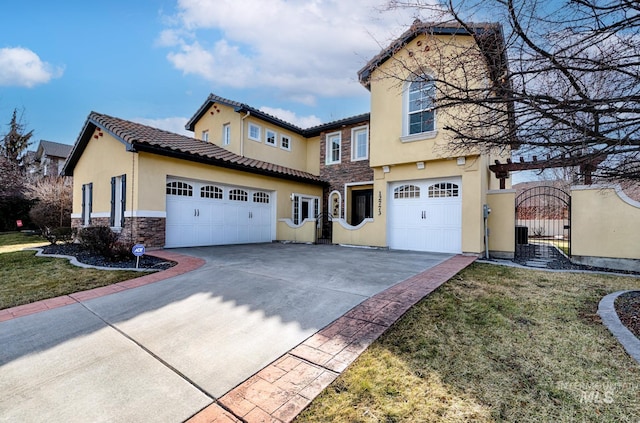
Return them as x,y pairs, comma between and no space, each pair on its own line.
382,178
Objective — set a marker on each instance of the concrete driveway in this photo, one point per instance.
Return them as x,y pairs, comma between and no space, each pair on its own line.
164,351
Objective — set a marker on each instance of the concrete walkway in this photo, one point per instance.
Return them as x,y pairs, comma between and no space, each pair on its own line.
251,333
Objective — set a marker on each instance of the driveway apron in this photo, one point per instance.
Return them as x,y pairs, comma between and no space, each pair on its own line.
163,351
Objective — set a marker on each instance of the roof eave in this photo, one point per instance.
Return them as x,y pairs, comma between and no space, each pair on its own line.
161,151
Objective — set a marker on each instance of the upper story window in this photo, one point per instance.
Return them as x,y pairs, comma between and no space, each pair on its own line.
270,137
334,141
420,102
285,142
226,134
254,132
360,143
205,135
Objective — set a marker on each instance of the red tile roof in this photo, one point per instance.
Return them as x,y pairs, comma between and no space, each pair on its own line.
138,137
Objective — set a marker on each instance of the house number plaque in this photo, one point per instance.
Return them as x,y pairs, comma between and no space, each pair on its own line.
379,203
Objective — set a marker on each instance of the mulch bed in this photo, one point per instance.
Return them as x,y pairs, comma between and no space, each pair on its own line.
628,308
87,257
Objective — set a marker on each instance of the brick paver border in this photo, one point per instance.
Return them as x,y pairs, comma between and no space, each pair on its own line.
184,264
280,391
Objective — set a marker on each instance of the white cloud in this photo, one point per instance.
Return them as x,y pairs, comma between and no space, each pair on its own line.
292,117
303,49
171,124
22,67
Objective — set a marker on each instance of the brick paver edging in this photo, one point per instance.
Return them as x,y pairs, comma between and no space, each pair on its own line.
184,264
280,391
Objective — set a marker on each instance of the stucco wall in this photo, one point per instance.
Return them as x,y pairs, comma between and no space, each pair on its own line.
502,223
605,223
103,158
218,115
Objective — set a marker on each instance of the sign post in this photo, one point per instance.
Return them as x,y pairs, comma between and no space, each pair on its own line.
138,251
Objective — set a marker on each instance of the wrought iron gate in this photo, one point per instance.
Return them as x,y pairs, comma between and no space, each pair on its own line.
324,229
543,223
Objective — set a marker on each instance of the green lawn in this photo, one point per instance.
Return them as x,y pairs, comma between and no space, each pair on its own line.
25,278
494,344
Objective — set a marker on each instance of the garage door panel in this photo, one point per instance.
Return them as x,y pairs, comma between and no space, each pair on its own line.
426,216
216,215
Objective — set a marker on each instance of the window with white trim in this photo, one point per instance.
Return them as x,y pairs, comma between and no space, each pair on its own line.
226,134
360,143
420,102
270,137
407,191
304,207
118,201
205,135
444,189
333,142
254,132
285,142
87,203
179,188
211,191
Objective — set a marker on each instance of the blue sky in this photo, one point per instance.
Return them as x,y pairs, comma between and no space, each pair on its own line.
156,61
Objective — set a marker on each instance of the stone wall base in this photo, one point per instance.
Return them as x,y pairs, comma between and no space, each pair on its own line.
149,231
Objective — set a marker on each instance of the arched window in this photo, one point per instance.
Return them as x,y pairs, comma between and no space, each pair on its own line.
210,191
444,189
407,191
179,188
261,197
238,195
420,101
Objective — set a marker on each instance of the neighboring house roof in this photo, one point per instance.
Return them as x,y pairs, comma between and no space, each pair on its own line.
243,108
137,137
489,35
52,149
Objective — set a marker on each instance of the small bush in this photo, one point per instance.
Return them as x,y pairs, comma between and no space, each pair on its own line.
98,239
121,251
64,234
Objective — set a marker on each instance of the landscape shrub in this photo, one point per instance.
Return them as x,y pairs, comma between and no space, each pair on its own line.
98,239
55,235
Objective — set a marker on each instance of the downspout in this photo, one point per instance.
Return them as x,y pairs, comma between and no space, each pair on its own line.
242,132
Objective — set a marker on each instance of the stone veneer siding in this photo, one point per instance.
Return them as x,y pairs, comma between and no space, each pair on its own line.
149,231
344,172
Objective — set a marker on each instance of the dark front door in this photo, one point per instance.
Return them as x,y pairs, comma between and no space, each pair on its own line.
362,205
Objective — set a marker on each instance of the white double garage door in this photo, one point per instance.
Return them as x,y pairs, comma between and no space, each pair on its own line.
209,213
426,215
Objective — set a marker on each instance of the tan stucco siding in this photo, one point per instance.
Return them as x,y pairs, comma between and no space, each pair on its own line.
155,170
103,158
313,155
502,222
604,224
388,109
219,115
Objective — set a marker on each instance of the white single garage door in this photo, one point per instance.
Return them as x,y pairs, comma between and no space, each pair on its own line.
208,213
426,215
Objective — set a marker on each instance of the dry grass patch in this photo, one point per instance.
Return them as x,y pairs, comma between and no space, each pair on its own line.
494,344
25,278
